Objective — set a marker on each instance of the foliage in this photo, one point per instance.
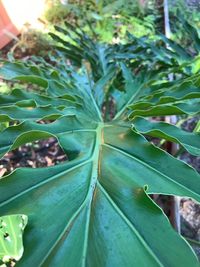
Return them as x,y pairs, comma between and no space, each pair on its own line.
191,14
11,230
4,88
95,208
56,12
31,42
106,19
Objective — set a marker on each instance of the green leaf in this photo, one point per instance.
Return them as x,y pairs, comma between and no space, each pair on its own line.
190,141
27,99
192,32
183,55
30,131
17,113
106,204
181,97
95,209
11,231
76,93
47,78
181,107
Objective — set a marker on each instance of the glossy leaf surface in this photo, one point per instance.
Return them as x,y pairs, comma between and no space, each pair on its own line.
93,200
190,141
95,209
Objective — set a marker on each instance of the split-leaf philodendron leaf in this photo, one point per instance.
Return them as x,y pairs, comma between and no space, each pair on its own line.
95,208
11,230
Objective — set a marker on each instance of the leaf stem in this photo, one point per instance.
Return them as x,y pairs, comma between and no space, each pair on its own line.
92,97
134,96
92,187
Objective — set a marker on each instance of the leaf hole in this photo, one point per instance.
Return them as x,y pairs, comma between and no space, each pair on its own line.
38,154
45,121
6,235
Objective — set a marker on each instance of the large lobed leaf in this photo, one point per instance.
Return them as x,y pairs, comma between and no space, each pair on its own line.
98,201
95,209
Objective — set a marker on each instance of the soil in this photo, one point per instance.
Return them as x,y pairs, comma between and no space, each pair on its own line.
39,154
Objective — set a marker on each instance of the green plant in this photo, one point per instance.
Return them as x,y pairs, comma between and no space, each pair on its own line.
11,230
31,42
106,19
191,13
56,12
95,208
4,88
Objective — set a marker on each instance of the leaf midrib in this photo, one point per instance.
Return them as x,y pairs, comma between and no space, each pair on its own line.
88,201
90,159
88,198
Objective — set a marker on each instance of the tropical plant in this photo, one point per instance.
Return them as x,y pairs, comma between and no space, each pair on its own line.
95,209
180,32
104,19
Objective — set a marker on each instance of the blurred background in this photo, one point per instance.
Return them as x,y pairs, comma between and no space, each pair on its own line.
26,23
